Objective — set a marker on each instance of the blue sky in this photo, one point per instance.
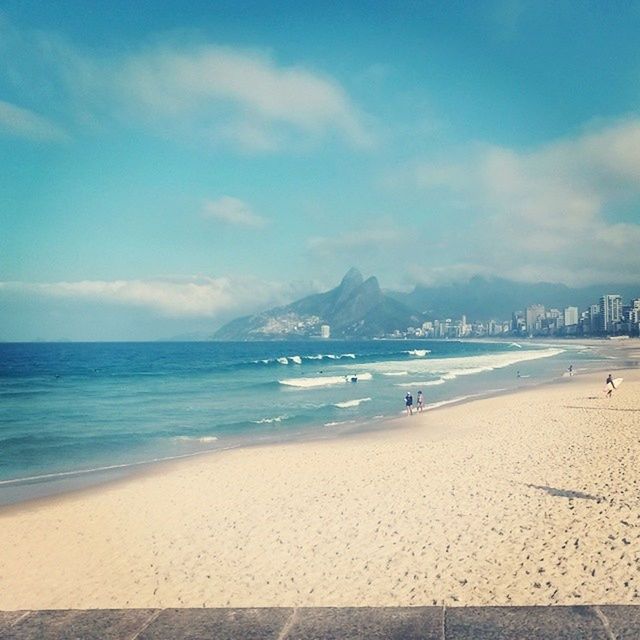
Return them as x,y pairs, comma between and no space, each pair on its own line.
170,167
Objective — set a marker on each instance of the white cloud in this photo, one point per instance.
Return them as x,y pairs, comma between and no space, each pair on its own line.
550,212
443,275
173,297
197,93
232,211
17,121
178,81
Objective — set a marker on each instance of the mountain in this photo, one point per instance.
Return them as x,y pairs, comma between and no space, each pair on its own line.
356,308
486,298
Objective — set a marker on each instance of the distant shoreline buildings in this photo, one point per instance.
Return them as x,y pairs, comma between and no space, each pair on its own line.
609,317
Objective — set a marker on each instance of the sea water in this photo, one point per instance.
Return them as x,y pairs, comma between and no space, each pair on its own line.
73,414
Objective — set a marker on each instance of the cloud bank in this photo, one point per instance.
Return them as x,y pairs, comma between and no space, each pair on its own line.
193,297
566,211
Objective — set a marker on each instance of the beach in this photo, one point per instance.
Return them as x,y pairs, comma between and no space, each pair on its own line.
525,498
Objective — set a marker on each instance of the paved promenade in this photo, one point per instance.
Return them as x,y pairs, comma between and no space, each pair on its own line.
388,623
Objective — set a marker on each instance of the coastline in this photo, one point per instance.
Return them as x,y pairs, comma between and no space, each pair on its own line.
40,488
475,503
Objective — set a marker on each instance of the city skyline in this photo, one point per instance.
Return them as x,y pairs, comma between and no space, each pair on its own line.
172,169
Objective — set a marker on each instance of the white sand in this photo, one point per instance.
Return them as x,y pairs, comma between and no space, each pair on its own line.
531,498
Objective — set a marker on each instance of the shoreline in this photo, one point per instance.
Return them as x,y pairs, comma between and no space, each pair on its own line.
101,477
475,503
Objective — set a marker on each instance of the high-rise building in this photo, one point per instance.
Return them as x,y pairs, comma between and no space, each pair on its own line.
570,316
610,312
325,331
533,316
594,318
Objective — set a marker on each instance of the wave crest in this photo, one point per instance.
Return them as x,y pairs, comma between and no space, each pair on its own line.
347,404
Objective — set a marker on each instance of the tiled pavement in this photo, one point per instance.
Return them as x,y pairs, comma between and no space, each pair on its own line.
388,623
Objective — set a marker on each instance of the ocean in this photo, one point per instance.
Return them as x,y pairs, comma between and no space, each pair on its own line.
76,414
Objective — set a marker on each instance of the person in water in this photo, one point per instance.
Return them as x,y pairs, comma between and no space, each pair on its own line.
420,402
570,370
408,403
610,385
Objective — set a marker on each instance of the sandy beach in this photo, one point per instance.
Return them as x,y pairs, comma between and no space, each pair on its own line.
528,498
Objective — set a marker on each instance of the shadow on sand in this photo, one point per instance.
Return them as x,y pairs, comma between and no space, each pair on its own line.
562,493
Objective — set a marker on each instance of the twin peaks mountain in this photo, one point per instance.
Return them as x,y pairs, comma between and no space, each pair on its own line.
356,308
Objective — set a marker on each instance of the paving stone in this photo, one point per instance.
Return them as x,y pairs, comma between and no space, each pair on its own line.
624,621
8,619
217,624
41,625
95,624
523,623
368,623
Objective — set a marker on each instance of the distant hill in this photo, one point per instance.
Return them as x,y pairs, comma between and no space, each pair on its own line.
486,298
356,308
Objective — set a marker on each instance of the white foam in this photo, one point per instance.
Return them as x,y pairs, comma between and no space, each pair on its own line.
420,383
450,368
269,420
351,403
467,372
395,373
282,360
296,359
420,353
335,424
322,381
196,438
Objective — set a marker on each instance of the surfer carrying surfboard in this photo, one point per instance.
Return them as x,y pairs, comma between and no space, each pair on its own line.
610,385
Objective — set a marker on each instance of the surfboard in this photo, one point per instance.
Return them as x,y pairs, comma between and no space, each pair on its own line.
616,383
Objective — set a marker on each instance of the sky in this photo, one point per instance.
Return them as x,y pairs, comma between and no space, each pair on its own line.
168,167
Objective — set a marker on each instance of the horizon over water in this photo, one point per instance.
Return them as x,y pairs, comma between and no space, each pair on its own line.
76,414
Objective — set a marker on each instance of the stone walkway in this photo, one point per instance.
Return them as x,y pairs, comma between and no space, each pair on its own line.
388,623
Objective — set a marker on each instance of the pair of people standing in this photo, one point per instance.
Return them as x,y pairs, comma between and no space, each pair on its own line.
408,402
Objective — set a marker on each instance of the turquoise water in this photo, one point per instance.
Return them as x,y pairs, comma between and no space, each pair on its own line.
78,411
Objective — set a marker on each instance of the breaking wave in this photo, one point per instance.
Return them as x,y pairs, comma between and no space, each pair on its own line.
270,420
422,383
451,368
322,381
351,403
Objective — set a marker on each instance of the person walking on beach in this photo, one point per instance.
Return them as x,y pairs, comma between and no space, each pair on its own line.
420,402
610,385
408,403
570,370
